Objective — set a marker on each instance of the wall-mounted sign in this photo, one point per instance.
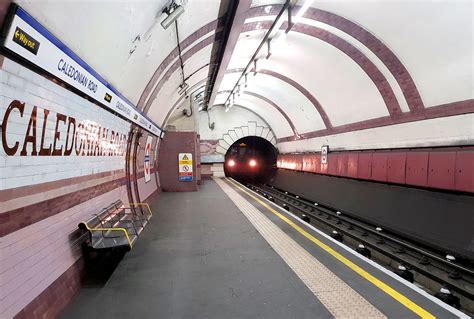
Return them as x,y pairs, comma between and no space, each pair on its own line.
324,154
27,38
185,167
147,159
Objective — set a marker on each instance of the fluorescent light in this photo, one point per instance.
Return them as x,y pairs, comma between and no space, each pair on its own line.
182,88
172,17
302,11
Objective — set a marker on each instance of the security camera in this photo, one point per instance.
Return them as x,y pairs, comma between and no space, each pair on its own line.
172,16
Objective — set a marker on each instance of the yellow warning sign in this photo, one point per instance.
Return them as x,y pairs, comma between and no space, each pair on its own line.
185,170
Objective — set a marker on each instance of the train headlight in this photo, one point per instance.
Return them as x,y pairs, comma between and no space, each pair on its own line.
231,163
253,163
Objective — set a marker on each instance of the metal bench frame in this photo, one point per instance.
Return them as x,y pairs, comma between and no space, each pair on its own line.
117,220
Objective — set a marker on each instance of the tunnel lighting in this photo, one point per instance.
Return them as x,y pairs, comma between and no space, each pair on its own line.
335,235
403,272
445,295
450,258
253,163
302,11
445,291
231,163
364,251
305,218
171,18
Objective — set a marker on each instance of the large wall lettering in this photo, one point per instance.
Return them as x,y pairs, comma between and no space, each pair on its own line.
71,136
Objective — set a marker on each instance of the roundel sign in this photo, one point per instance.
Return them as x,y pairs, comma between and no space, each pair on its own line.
147,159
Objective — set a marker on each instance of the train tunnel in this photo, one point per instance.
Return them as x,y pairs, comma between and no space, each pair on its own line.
236,158
251,159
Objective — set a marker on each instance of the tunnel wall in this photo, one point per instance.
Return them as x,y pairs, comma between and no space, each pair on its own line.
46,192
228,127
439,168
436,219
432,127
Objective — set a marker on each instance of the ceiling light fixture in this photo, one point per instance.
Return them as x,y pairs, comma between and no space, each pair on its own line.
275,26
302,11
172,15
182,88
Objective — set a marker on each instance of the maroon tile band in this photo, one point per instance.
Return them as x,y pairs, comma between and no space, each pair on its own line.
395,66
449,109
198,47
16,219
12,193
211,26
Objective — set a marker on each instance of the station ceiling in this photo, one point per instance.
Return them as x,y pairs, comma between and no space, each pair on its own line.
344,64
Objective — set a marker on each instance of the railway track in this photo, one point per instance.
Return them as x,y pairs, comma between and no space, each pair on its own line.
431,269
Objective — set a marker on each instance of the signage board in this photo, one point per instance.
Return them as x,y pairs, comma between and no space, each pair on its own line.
324,154
147,159
185,167
27,38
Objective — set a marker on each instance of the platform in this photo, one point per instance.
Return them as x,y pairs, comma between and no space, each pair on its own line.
225,252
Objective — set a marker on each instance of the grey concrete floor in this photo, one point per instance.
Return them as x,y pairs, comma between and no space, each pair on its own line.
198,258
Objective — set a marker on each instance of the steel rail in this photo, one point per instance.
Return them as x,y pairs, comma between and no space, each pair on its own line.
329,210
422,269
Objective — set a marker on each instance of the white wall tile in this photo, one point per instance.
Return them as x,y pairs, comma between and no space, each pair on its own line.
35,90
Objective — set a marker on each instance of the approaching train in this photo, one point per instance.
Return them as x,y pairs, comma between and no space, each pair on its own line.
250,159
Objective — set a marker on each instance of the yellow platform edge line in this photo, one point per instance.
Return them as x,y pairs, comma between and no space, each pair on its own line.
364,274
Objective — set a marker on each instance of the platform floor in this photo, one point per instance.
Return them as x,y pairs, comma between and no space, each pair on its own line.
222,253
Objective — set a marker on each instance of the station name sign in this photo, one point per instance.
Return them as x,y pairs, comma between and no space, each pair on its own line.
27,38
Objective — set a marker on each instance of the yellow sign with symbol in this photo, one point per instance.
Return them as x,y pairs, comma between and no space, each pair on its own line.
185,164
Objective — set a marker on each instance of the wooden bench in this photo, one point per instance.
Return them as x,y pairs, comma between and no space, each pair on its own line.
116,226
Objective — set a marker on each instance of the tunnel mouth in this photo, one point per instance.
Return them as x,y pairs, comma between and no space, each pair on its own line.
251,159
